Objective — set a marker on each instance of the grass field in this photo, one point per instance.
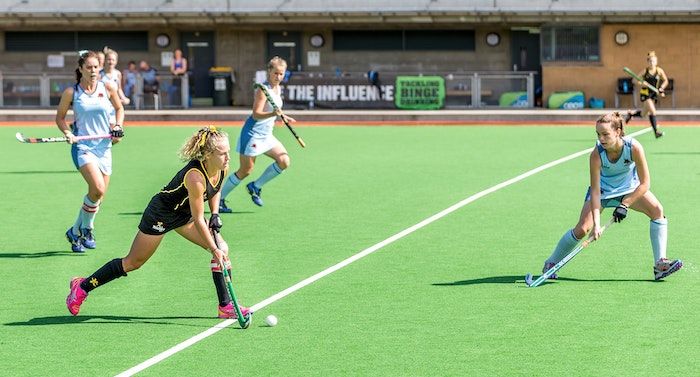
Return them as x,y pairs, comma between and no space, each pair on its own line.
445,300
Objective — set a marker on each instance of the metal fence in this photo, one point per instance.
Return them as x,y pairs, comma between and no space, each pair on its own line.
464,90
22,90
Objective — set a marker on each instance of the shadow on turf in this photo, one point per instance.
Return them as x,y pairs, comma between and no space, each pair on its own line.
39,172
141,213
511,279
68,319
42,254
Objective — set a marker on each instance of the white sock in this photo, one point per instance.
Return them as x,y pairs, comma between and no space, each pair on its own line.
567,243
229,185
88,212
271,172
658,233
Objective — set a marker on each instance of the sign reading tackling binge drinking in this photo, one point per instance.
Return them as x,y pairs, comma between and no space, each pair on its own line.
420,92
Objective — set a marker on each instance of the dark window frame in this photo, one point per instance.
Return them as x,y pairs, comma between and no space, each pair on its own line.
405,40
40,41
570,43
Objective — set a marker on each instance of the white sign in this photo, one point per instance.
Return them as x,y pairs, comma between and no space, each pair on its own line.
55,61
313,58
166,57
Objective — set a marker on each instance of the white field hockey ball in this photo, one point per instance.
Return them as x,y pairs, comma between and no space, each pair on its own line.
271,320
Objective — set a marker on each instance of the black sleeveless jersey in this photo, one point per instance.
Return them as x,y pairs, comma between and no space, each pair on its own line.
654,80
174,196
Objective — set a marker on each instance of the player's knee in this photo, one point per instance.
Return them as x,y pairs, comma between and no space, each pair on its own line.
97,192
657,211
283,161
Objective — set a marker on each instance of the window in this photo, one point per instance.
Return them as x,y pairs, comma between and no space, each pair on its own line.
403,40
75,40
570,43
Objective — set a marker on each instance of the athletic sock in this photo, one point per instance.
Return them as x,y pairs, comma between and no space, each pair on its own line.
220,283
567,243
110,271
271,172
88,212
658,233
231,182
652,120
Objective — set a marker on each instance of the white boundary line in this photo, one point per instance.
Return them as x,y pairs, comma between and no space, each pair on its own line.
278,296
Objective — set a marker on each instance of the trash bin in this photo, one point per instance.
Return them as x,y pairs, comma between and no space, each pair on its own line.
222,85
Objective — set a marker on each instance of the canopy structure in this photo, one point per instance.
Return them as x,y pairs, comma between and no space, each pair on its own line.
18,13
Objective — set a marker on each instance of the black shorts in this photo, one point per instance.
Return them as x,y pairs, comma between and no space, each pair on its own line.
158,219
647,94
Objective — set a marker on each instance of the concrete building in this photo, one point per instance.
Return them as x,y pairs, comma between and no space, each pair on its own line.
571,45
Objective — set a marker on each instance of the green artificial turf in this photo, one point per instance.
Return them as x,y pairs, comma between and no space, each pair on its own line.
445,300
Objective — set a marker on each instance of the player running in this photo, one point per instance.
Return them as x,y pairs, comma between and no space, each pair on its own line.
656,76
178,206
92,101
619,179
256,138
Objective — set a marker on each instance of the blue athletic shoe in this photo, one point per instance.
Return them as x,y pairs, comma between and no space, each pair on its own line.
74,240
254,194
223,208
87,239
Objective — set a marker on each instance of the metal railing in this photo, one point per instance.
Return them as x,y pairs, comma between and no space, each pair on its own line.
20,90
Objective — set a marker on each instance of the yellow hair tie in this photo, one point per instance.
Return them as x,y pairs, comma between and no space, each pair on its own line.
205,133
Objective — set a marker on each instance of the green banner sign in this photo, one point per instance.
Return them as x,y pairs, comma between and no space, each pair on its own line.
419,92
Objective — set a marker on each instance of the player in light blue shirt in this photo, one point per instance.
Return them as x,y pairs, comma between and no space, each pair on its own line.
619,179
92,101
256,138
111,74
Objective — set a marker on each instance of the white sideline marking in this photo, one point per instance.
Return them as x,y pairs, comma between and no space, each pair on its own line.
165,354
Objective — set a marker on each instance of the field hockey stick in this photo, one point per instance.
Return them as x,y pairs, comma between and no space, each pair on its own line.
636,77
567,258
35,140
275,108
243,321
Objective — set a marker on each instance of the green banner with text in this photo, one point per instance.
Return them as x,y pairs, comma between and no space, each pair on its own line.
419,92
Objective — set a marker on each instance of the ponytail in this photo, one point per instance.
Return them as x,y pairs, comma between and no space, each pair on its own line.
201,144
616,121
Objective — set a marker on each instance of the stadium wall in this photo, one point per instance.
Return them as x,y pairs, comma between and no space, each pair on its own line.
676,45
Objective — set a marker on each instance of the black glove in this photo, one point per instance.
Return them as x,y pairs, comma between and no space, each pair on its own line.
620,213
117,131
215,223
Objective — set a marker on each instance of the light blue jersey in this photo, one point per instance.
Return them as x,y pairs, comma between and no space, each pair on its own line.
115,82
91,112
256,135
263,127
620,177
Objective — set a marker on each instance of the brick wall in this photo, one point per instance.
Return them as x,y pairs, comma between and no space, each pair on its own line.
676,45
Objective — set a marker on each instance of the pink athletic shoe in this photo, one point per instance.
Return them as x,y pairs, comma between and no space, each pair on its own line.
76,296
229,311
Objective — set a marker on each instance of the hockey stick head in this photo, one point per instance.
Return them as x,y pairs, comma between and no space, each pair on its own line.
19,137
528,279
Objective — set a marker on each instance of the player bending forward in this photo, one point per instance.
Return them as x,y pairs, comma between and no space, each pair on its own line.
180,207
619,179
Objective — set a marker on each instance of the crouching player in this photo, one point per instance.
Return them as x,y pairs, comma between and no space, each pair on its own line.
180,207
619,179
